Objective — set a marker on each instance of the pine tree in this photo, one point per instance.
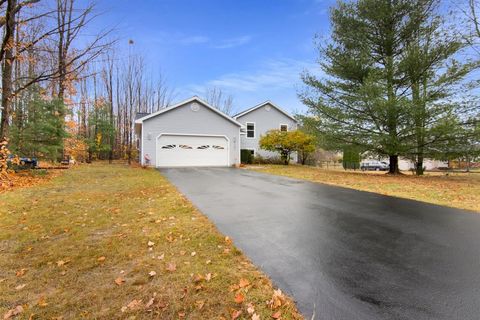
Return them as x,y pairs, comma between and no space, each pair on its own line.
42,132
437,88
363,99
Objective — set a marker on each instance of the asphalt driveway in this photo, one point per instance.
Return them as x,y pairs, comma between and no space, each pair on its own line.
341,253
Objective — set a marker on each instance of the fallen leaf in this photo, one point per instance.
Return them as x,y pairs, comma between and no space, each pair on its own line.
13,312
243,283
20,286
198,278
171,267
42,302
135,304
228,240
151,243
101,259
182,253
152,273
208,276
255,317
149,303
119,281
160,257
60,263
250,308
199,304
181,314
277,299
208,261
276,315
184,293
193,254
234,287
21,272
239,297
236,314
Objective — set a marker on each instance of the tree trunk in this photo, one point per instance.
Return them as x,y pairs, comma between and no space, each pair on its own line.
393,165
419,166
7,68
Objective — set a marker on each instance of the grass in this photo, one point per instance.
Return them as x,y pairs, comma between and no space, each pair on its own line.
78,247
458,190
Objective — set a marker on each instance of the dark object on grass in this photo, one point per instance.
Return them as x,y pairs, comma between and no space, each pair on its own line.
24,163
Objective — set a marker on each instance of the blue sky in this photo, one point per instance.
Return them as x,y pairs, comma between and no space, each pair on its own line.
252,49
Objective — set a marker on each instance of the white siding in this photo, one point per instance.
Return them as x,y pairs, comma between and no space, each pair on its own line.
266,118
184,120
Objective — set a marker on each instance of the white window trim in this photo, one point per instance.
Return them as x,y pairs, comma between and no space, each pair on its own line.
254,130
283,124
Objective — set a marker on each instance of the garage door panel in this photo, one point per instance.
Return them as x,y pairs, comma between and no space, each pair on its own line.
182,151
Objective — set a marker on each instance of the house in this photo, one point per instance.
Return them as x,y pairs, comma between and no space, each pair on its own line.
193,133
260,119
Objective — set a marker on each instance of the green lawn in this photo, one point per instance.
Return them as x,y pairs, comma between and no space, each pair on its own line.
459,190
111,242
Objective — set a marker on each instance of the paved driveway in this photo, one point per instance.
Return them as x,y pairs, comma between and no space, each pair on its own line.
345,254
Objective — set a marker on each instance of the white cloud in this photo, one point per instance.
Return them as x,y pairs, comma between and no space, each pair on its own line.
193,40
274,74
276,80
233,42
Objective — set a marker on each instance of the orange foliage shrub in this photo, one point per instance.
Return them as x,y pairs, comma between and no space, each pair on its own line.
5,179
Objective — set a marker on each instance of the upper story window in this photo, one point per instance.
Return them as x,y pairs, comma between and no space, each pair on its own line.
283,127
250,130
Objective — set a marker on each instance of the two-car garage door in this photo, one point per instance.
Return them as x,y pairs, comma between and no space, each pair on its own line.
191,150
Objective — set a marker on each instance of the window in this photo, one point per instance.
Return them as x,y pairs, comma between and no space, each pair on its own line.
250,130
283,127
252,152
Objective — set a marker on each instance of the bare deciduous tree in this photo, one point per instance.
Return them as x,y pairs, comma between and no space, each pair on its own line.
216,97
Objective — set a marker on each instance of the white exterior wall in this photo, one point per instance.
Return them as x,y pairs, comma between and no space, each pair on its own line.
429,164
183,120
264,120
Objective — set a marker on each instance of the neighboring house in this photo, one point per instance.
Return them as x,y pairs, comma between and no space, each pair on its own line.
406,164
193,133
260,119
428,164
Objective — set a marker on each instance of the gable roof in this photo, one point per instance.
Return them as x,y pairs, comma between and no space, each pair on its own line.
192,99
261,105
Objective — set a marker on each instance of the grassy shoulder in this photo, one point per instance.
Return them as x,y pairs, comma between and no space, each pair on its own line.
458,190
110,242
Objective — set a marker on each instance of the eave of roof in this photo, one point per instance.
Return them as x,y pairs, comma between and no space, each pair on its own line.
195,98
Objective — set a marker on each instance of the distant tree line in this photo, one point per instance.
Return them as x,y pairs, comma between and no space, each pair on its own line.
65,91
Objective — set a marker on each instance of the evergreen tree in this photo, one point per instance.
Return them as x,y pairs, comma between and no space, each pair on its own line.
364,99
102,131
42,131
437,86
